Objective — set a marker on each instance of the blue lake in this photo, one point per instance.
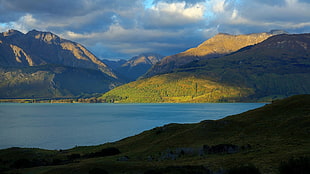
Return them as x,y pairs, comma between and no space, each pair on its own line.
63,126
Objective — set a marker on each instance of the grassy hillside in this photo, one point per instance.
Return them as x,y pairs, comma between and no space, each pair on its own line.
276,68
264,139
175,88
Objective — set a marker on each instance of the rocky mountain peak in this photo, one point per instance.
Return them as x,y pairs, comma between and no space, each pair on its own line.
223,43
12,32
47,37
145,58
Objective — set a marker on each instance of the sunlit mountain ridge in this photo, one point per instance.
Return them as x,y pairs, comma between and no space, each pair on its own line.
217,46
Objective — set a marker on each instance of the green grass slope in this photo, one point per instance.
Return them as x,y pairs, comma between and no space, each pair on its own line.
175,88
276,68
263,138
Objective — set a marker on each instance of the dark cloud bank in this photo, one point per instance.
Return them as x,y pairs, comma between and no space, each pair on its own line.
122,28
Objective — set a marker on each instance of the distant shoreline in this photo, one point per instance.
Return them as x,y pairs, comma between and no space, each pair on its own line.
92,100
86,100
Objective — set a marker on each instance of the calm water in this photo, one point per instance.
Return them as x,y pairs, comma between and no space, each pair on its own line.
63,126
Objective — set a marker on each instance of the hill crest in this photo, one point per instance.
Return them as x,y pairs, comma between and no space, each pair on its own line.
219,45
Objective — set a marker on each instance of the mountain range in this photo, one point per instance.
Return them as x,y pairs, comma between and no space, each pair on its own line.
275,68
43,65
224,68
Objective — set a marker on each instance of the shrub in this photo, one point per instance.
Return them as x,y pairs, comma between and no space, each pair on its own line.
246,169
104,152
221,149
180,170
22,163
97,171
297,166
74,156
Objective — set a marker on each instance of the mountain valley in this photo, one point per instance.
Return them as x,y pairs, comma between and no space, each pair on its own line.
135,67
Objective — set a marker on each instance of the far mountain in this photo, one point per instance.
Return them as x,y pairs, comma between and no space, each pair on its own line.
44,65
114,64
275,68
135,67
219,45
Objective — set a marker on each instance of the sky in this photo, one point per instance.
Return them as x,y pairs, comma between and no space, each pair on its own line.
121,29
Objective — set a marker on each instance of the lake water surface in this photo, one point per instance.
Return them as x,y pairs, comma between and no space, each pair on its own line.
63,126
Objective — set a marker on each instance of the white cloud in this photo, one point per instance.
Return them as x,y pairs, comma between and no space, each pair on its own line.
194,12
133,41
218,6
173,14
24,23
236,16
291,2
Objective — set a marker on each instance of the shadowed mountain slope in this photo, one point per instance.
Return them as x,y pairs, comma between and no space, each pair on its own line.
52,81
43,65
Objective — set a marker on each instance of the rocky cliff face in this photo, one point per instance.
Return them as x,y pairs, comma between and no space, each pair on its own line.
217,46
40,48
